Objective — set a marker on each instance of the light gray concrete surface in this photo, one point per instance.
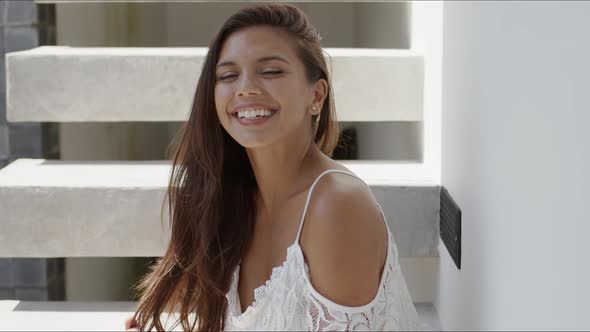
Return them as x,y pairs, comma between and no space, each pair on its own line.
71,84
112,208
109,316
20,28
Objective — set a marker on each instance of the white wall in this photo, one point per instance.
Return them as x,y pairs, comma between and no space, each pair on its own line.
516,156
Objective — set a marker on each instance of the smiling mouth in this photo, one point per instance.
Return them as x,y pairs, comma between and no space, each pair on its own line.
254,114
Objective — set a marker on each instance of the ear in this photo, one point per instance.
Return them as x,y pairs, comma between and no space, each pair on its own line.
319,94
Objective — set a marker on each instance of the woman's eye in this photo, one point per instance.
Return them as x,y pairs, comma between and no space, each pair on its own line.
273,72
268,72
226,77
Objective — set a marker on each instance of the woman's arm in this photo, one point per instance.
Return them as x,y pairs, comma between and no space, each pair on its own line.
344,239
131,324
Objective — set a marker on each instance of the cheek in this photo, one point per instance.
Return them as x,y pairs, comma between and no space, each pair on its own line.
221,100
288,95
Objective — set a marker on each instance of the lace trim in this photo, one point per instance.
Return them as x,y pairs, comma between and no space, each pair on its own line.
287,301
261,292
321,318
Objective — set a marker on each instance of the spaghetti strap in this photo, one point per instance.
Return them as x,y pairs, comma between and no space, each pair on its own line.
311,190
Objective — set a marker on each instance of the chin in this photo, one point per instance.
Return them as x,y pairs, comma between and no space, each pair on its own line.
254,142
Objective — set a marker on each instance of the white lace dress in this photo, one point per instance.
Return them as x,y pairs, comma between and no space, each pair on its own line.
288,300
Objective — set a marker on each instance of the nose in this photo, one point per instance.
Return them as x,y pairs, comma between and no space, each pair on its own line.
247,86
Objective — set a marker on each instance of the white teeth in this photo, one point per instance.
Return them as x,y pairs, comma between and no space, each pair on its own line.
254,113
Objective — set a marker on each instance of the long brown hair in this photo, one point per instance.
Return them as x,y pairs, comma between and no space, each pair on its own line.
212,188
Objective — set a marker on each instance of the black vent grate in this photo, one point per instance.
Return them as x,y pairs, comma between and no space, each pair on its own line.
450,225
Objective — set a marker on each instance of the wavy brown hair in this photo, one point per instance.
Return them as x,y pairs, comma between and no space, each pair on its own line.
212,188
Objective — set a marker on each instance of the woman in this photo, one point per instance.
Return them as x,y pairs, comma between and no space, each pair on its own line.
251,247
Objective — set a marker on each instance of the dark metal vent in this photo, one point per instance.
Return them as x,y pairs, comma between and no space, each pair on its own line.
450,225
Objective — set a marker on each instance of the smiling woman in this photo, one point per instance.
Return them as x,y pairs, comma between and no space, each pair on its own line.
255,148
269,93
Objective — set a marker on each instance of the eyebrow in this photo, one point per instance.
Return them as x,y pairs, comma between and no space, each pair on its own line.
263,59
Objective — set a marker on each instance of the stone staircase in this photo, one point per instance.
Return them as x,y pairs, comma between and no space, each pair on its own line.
94,209
73,208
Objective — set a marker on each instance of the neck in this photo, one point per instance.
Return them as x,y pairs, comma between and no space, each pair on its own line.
278,171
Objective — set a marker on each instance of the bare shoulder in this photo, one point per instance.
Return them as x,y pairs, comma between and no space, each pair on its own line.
344,240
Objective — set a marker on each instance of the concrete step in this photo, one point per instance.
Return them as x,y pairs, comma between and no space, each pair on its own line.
54,208
72,84
109,316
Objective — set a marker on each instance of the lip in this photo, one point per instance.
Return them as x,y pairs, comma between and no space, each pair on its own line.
251,106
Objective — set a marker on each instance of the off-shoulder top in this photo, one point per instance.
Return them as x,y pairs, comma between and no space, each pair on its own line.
288,300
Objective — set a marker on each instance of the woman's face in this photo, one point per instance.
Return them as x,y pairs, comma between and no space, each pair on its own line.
262,96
